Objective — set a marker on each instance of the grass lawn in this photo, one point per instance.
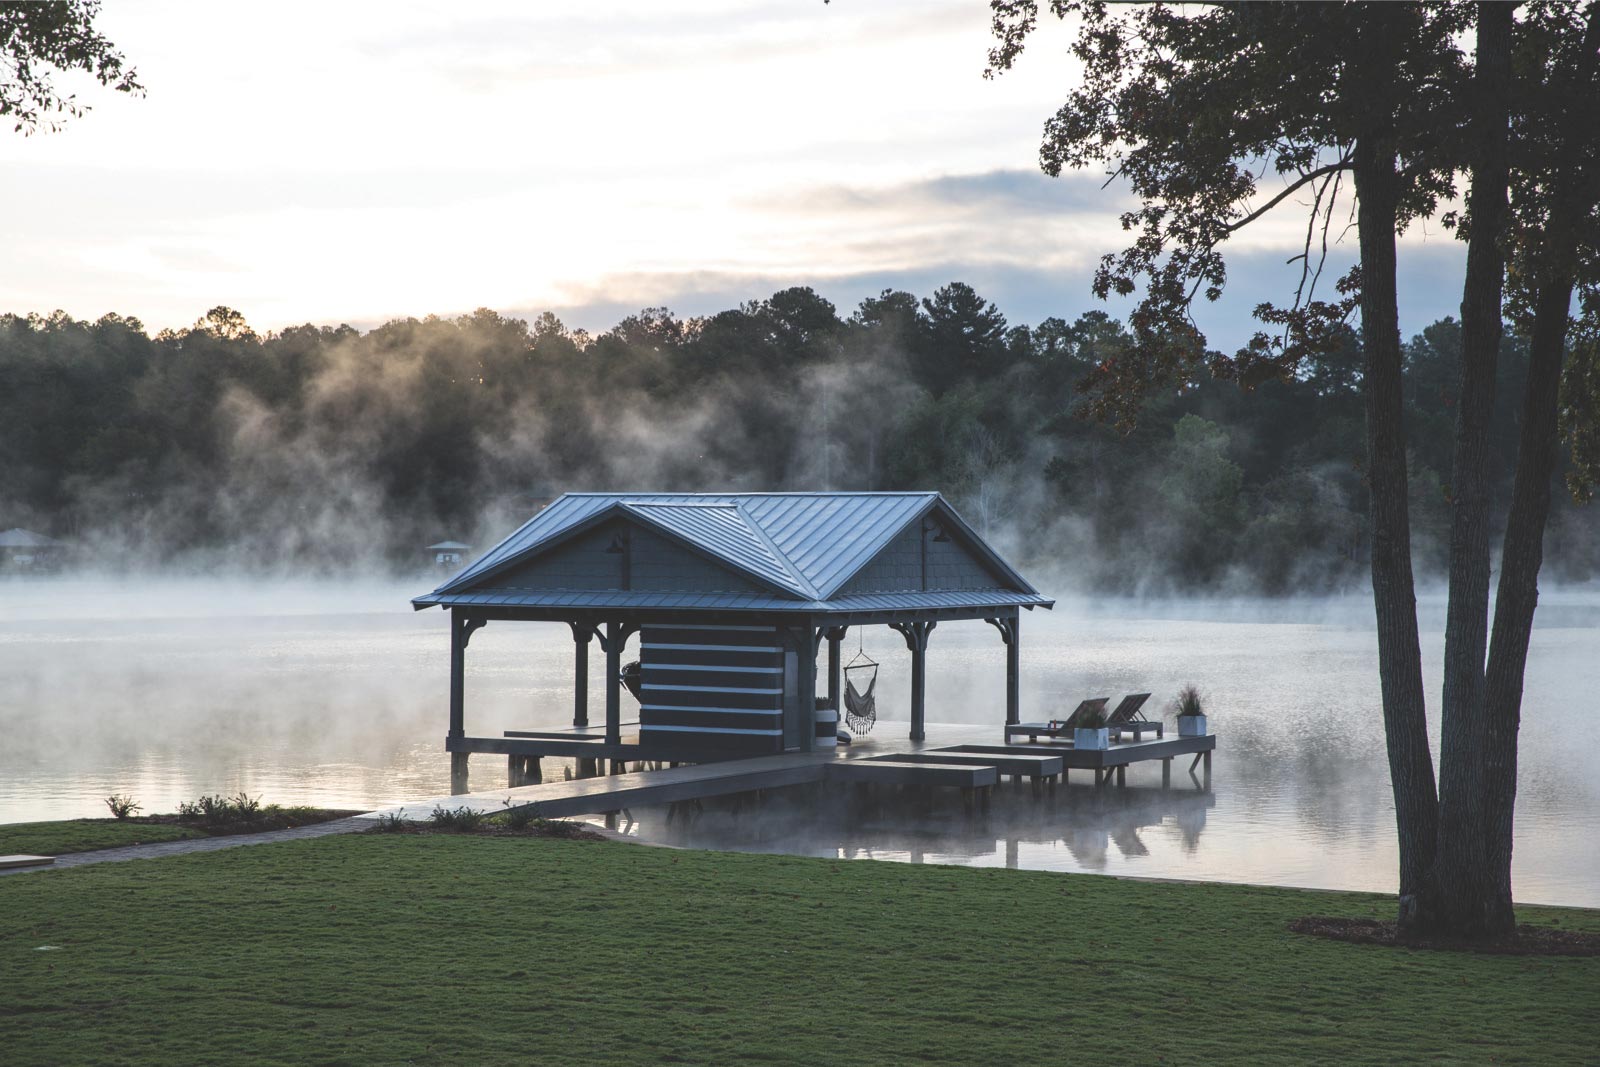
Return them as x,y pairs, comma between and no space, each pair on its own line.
433,949
82,835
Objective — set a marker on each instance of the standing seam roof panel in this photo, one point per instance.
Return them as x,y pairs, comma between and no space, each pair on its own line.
807,543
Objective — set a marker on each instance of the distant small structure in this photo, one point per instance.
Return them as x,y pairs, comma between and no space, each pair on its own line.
448,555
24,550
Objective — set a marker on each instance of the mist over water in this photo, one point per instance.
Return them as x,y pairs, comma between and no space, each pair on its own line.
336,694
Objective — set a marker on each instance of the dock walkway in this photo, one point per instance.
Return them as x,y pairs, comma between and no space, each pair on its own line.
614,792
945,744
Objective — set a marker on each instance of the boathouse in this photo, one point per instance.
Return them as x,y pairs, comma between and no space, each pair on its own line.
448,555
24,550
732,597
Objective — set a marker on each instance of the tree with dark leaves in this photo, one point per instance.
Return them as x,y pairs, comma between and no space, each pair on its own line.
40,40
1217,117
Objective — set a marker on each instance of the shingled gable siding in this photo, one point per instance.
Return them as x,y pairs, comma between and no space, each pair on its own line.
656,565
714,685
898,568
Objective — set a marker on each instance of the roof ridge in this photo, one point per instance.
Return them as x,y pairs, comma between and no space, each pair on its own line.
772,492
781,557
636,510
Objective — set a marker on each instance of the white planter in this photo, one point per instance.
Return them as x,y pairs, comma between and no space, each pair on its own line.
1090,739
1191,725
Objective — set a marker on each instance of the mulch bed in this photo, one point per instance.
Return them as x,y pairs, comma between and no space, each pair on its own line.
1529,941
556,828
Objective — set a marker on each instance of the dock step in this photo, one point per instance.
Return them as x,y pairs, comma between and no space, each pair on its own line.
1021,764
895,771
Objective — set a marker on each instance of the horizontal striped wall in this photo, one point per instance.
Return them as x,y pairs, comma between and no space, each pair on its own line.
715,686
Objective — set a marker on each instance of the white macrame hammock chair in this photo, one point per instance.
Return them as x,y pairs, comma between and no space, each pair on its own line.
860,705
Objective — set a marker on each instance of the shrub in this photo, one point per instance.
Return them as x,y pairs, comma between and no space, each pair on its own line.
1093,717
521,818
392,823
217,811
122,807
1189,702
459,820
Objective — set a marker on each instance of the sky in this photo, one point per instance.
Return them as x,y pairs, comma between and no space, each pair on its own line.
358,162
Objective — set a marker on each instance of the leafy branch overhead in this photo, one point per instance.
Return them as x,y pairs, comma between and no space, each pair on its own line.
41,40
1217,119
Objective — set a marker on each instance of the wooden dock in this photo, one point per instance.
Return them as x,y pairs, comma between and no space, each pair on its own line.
951,755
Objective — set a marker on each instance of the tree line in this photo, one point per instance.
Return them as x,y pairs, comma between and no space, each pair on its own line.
319,447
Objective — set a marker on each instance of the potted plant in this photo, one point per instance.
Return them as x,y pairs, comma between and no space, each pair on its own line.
1091,732
1191,712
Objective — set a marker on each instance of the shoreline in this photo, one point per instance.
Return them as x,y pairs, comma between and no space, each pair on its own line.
356,824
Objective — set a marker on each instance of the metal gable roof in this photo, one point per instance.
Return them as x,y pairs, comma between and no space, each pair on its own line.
17,537
724,531
805,545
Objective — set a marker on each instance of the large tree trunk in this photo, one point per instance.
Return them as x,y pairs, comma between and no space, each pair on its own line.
1393,591
1515,601
1460,894
1553,264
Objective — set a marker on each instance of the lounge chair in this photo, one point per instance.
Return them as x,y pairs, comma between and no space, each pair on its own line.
1058,727
1127,718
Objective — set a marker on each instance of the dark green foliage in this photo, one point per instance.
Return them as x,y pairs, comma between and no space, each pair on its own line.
122,806
40,39
324,448
445,949
242,813
460,820
520,818
1188,702
1580,402
221,811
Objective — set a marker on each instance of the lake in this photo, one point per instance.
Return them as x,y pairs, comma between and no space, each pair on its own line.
335,694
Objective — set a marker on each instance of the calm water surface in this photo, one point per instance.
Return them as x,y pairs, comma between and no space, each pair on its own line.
336,695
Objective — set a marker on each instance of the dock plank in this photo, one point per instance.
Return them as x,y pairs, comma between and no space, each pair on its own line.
1025,764
1117,755
892,772
606,793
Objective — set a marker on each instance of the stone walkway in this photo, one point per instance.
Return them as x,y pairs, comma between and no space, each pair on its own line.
351,824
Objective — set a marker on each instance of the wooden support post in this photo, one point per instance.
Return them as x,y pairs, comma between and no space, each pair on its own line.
1166,773
461,629
613,640
581,633
1207,782
916,636
1014,674
835,689
1122,775
1010,634
806,685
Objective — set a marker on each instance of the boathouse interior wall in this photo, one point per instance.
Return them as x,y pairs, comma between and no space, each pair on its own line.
732,598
